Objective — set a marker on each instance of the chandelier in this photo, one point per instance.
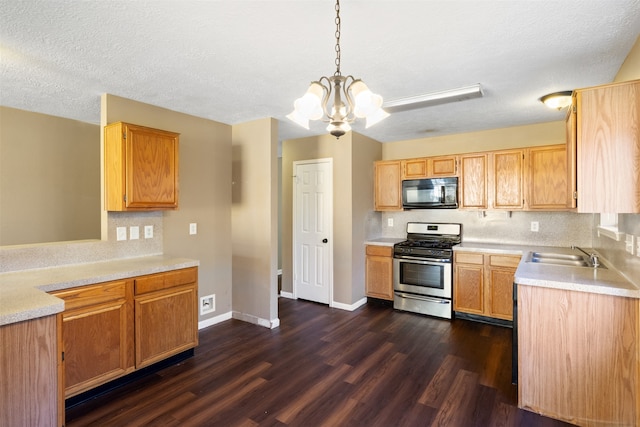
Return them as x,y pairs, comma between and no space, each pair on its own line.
338,100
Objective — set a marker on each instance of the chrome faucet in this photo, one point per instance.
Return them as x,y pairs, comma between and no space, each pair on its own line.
593,257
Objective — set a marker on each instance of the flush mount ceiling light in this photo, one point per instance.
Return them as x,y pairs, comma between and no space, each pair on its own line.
557,100
338,100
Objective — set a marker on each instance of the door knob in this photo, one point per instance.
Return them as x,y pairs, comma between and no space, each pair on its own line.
325,240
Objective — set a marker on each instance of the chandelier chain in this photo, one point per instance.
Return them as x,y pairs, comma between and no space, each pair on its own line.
337,73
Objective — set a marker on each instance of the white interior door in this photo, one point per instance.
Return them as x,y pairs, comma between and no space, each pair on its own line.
312,234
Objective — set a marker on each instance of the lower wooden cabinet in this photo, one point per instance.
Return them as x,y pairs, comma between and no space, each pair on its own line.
379,272
159,336
111,329
483,284
97,334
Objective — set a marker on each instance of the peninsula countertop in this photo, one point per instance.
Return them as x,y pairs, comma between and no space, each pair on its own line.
23,294
606,281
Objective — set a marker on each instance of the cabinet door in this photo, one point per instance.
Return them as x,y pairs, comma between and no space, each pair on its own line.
443,166
152,168
97,335
571,136
473,188
500,298
387,186
166,323
95,346
608,162
507,177
141,168
414,168
468,284
379,272
548,178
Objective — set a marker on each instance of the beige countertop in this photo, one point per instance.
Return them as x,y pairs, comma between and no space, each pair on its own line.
606,281
384,241
23,294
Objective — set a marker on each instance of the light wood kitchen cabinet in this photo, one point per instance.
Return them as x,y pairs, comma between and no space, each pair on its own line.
388,185
483,284
430,167
29,360
507,173
415,168
578,356
468,283
141,168
548,180
473,181
379,272
159,335
572,139
608,148
97,334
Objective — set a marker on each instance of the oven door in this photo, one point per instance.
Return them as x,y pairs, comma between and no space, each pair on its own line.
422,277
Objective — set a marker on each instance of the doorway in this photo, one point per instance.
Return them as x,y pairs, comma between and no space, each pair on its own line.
313,230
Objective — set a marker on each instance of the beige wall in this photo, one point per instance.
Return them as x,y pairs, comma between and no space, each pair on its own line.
255,222
353,157
630,69
205,193
49,178
495,139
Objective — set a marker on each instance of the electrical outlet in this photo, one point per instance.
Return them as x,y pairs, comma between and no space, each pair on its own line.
207,304
390,222
535,226
121,233
134,232
630,243
193,228
148,231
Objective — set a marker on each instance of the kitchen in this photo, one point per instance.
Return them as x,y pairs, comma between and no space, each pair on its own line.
224,264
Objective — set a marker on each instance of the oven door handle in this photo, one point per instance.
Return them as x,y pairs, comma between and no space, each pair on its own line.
424,260
421,298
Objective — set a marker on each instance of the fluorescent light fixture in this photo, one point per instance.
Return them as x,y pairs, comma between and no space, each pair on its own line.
434,98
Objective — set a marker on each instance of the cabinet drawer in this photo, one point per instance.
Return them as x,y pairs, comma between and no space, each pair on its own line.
170,279
469,258
379,250
93,294
504,261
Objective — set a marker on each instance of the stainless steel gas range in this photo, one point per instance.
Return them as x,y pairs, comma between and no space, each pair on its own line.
422,269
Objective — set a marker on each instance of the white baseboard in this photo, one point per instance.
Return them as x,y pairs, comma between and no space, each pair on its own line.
212,321
286,294
349,307
271,324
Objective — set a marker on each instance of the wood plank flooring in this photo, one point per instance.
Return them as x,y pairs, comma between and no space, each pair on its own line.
328,367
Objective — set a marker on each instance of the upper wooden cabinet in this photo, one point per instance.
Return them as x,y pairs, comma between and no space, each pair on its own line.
507,173
472,189
141,168
388,186
430,167
608,148
548,179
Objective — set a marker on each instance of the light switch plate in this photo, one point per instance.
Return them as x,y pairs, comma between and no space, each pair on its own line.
121,233
148,231
134,232
193,228
630,243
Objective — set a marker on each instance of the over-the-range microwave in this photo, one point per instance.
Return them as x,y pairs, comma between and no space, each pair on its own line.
430,193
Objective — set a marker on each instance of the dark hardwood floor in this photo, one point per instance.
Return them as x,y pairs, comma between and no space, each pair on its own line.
328,367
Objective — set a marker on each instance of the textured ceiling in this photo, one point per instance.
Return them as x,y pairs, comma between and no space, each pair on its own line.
235,61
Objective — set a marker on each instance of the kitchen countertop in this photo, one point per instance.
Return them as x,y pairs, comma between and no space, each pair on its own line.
384,241
23,294
606,281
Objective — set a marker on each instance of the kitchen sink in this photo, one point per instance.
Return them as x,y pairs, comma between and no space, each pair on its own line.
562,259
